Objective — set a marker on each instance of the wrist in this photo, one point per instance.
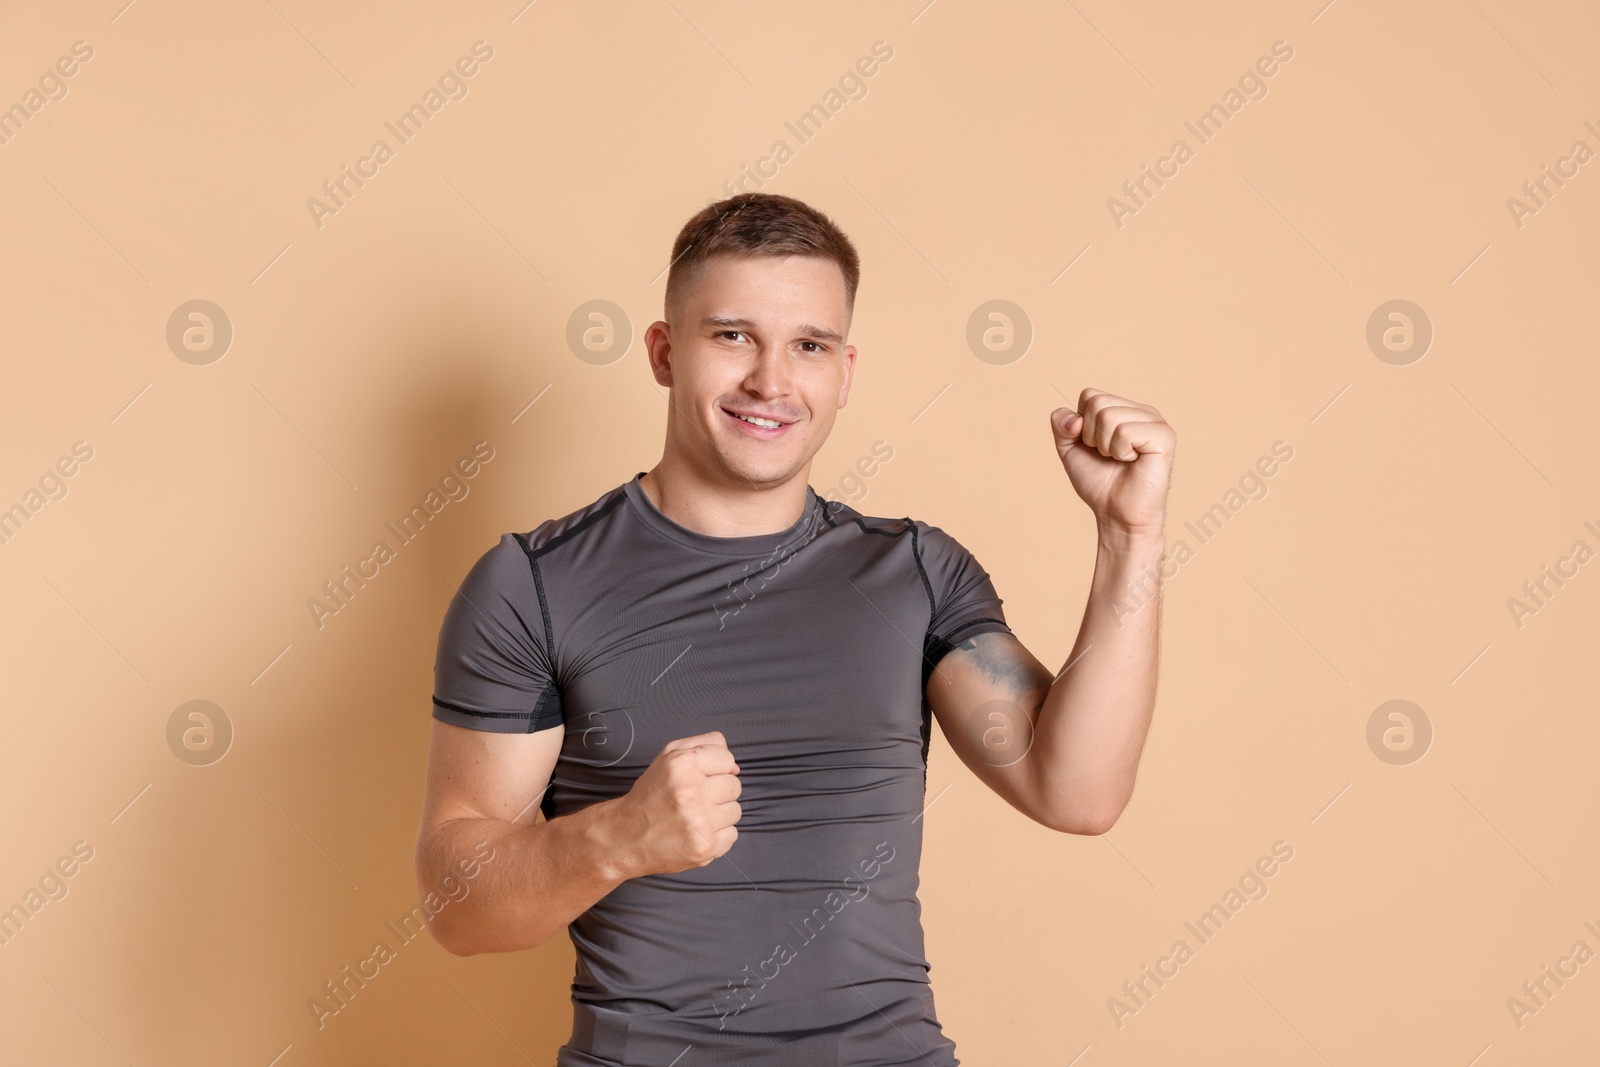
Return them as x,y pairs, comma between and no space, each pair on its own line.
1120,539
609,841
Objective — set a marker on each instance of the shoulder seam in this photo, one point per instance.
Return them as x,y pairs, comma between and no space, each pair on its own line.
828,508
566,535
916,554
861,522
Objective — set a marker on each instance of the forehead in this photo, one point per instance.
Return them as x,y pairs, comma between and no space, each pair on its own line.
771,287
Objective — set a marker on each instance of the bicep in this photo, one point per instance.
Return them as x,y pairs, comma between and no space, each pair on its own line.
481,774
986,693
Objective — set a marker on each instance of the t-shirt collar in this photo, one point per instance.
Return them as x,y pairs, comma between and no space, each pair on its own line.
751,546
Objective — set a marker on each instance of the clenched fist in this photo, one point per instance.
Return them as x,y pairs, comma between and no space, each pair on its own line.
1118,455
681,811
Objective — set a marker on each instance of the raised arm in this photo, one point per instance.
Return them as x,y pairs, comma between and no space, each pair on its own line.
1064,747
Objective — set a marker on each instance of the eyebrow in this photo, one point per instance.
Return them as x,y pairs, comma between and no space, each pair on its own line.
805,329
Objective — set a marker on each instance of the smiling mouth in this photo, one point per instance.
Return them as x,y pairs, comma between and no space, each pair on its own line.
756,420
758,425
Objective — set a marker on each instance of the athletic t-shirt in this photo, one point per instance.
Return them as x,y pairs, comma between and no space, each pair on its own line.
811,650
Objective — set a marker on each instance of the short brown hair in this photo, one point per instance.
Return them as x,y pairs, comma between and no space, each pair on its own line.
758,224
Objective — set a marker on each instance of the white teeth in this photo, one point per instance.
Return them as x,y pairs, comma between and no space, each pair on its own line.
771,424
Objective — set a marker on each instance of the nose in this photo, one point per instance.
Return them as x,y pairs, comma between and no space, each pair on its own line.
768,375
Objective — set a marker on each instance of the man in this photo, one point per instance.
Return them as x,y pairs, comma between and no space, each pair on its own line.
719,690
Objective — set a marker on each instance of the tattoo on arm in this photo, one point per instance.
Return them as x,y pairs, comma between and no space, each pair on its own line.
1006,662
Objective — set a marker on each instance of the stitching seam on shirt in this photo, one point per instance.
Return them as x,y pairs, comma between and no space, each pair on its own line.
549,636
874,530
916,553
949,638
544,611
485,714
562,538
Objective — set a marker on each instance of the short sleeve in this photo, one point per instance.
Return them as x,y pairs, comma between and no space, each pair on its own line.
493,670
963,598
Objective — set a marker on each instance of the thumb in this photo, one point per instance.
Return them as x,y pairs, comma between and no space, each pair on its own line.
1066,423
1067,426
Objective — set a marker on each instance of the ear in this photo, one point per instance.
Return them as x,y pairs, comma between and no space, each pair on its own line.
658,349
849,374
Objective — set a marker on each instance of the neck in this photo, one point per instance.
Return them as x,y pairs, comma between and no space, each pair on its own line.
723,506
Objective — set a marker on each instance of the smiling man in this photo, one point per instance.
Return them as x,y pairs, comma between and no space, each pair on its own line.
720,689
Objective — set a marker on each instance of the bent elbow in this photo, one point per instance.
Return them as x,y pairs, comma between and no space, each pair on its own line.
450,940
473,936
1080,826
1088,808
1090,822
456,948
1097,825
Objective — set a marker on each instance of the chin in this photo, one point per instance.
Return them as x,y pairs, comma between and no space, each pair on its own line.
774,472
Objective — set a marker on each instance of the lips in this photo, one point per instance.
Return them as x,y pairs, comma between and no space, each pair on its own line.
750,428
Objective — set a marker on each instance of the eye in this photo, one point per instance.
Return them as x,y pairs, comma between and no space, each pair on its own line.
731,333
815,347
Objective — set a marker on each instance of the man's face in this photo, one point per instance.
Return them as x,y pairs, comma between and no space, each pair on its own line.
757,336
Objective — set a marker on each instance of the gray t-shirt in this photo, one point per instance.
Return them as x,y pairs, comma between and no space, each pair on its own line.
810,649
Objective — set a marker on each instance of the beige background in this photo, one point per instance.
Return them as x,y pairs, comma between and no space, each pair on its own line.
368,354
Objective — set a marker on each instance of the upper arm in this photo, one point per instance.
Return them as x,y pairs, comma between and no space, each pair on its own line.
986,694
480,774
498,722
984,688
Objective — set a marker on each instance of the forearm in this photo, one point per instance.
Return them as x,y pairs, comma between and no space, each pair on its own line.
542,877
1094,719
